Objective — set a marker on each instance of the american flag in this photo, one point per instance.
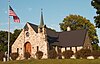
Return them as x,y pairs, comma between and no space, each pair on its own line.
12,13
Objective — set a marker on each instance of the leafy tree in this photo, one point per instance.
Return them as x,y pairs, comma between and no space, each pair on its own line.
96,5
15,35
4,39
77,22
95,46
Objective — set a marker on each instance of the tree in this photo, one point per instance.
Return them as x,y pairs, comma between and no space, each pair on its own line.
96,5
4,39
15,35
77,22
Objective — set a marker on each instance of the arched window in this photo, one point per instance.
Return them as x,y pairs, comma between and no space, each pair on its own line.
17,50
37,48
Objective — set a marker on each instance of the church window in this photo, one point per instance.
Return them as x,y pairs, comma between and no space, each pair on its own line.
27,34
37,48
17,50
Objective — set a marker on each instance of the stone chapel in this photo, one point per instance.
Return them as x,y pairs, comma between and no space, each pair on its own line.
35,38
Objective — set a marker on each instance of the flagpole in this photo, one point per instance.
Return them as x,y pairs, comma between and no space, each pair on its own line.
8,31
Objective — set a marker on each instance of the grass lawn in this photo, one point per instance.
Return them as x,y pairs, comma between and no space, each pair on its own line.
54,61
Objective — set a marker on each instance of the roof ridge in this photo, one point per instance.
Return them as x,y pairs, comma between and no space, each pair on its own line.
73,30
34,26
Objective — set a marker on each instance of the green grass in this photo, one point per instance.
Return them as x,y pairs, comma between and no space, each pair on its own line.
54,61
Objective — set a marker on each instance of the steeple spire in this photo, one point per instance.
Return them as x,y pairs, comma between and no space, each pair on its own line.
41,21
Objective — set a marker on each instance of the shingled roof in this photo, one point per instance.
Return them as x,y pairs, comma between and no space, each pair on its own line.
71,38
35,27
65,38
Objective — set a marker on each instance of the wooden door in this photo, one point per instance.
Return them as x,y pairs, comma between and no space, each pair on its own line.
28,47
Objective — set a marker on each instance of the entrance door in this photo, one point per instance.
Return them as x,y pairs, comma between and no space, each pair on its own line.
27,47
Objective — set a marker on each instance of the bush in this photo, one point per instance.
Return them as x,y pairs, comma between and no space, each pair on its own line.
77,55
14,56
52,54
39,54
27,55
1,55
83,53
95,54
67,54
59,55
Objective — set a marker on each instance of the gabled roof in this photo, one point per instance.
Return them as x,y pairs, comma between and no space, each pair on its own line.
51,32
71,38
35,27
65,38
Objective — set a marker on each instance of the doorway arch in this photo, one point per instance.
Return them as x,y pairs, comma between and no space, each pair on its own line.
27,47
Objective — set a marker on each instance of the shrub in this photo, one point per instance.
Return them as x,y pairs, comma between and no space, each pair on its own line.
39,54
59,55
67,54
83,53
1,55
95,54
52,54
14,56
77,55
27,55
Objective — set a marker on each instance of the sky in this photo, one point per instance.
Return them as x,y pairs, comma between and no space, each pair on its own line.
54,11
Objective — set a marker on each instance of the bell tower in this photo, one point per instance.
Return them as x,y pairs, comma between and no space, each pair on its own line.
41,27
42,37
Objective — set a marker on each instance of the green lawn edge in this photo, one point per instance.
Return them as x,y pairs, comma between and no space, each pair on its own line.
54,61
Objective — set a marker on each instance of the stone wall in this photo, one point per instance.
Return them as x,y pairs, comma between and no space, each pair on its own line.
87,43
35,39
18,44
